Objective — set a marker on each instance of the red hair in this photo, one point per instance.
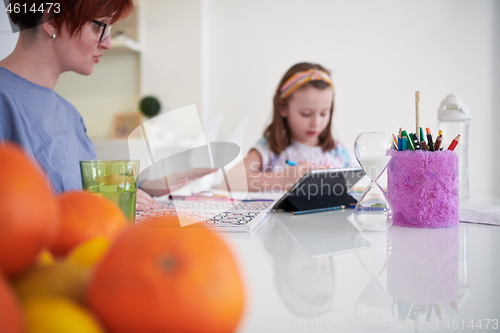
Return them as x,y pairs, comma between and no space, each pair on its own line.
73,13
278,133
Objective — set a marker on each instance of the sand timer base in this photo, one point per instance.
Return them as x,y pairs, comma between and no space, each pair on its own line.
372,211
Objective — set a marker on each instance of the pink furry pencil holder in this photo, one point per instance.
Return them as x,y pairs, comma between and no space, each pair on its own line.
422,188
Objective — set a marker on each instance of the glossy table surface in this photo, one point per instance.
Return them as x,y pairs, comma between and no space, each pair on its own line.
318,273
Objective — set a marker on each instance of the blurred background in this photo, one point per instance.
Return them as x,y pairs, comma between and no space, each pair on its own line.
227,57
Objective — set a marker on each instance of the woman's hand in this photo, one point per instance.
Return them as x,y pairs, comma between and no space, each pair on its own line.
145,202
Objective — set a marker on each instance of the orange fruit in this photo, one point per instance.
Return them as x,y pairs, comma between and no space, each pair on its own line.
160,277
28,211
11,315
83,216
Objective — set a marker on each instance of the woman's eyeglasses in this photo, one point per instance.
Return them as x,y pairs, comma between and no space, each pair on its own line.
106,30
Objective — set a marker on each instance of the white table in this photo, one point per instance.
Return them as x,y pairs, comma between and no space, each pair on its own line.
316,273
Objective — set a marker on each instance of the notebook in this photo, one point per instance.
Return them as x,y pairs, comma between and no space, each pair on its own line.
218,213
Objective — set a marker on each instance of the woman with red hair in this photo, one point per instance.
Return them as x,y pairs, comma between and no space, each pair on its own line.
54,37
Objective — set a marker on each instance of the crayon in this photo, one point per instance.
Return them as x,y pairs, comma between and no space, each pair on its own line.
409,144
404,143
429,139
423,145
291,163
422,137
395,141
416,143
454,143
410,140
439,139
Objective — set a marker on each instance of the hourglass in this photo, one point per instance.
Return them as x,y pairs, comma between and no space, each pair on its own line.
374,309
373,211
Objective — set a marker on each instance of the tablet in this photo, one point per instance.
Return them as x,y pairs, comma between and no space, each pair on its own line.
319,189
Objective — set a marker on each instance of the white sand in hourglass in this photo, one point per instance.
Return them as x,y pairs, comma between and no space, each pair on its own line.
374,166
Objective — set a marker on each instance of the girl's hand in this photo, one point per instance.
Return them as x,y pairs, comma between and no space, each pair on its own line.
303,167
294,173
145,202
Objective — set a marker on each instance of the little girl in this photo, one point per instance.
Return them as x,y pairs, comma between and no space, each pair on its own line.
299,137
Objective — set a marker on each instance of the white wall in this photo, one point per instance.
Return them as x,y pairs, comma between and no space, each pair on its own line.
170,35
113,87
380,53
7,38
493,153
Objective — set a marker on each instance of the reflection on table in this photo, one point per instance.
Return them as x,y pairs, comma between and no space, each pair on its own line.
318,273
423,272
304,283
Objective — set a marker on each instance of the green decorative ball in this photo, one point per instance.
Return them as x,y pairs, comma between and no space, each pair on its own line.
150,106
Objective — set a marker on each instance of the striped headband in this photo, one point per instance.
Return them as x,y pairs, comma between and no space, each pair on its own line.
299,79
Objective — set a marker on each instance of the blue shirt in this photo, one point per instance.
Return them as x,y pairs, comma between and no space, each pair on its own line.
47,126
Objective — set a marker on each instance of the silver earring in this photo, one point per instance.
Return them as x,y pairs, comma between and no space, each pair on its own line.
53,36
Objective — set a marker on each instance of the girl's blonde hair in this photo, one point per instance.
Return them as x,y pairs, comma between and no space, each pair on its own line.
278,132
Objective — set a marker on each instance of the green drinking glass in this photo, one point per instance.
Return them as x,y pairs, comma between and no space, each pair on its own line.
115,180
